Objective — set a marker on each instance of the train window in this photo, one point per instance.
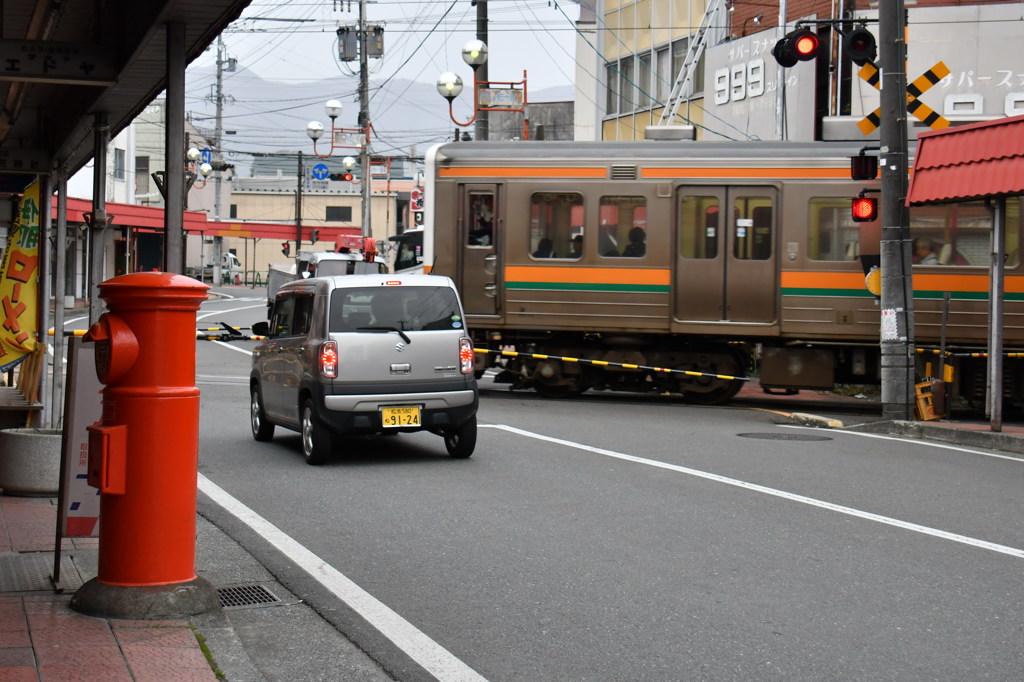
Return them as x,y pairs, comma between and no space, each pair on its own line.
623,227
698,227
752,239
831,233
959,234
481,219
556,225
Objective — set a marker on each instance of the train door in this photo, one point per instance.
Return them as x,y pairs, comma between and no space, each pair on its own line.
725,254
480,242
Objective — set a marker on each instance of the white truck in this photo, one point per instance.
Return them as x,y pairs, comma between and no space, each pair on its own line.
322,263
230,268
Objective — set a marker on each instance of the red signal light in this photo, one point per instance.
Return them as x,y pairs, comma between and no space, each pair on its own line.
806,45
864,209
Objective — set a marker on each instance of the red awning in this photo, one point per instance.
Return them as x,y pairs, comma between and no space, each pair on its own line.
151,218
969,162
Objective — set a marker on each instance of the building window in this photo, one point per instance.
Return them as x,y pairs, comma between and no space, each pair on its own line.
612,104
644,82
233,212
628,86
663,76
142,175
119,156
339,214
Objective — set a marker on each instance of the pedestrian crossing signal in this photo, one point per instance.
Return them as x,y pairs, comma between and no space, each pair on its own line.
864,209
800,45
286,248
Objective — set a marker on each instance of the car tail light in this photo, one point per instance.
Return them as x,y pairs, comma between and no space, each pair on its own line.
466,355
329,359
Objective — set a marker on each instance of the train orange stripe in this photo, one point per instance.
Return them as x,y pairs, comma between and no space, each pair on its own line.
771,173
929,282
520,172
520,273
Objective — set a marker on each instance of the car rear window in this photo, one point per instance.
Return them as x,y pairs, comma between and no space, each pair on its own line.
407,308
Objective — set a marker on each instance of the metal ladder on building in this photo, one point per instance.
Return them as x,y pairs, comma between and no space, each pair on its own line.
684,79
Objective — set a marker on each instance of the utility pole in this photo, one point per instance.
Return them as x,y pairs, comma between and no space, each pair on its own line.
481,127
298,210
897,300
364,120
218,132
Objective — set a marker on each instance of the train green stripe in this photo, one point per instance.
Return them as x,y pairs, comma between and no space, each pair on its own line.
592,286
864,293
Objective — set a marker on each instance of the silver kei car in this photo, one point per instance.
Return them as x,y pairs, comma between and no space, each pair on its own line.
364,354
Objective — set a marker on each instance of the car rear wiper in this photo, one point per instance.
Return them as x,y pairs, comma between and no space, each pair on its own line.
404,336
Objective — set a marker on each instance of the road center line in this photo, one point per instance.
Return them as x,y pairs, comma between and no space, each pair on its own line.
905,525
434,658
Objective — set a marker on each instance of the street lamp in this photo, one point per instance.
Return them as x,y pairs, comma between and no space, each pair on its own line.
342,138
485,98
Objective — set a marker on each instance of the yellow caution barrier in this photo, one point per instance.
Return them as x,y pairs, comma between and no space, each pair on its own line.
606,363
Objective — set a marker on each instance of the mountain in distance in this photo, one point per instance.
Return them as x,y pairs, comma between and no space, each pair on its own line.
264,116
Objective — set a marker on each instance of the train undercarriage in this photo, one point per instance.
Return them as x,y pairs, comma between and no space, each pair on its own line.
709,371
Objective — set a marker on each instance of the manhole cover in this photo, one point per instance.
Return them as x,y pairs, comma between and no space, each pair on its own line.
245,595
783,436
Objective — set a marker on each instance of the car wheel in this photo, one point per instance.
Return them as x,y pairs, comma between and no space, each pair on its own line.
262,430
461,442
316,439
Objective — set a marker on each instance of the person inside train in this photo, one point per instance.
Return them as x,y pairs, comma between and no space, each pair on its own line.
545,249
636,247
924,252
576,246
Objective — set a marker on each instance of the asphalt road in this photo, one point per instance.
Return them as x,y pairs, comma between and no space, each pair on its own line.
639,538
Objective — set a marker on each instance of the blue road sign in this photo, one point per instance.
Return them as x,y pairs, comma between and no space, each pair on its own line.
320,171
207,155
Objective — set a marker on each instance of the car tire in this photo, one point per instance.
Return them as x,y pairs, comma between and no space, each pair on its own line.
262,430
461,442
316,438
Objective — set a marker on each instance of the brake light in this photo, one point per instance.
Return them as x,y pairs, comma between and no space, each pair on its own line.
466,355
329,359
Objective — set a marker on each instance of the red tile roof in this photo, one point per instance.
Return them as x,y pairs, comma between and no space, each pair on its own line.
969,162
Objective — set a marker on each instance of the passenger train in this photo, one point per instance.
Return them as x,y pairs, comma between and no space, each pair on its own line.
714,258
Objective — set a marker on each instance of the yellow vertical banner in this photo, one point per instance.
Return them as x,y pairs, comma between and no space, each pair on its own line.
19,287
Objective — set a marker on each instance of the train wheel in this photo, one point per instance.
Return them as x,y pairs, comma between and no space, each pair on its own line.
708,390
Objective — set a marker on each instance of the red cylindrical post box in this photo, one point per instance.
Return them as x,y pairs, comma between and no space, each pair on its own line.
143,454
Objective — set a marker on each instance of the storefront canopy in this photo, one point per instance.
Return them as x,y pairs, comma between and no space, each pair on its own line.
151,218
977,161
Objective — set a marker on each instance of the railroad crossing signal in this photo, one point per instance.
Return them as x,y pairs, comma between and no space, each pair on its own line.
869,73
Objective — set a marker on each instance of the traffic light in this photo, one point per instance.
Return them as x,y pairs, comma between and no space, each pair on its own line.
863,167
864,209
860,46
286,248
800,45
345,177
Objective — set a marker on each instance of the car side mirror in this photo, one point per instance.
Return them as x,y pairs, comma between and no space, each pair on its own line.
261,329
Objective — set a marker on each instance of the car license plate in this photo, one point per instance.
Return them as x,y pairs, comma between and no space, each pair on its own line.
397,417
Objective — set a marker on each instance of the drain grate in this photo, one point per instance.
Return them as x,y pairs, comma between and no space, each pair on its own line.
783,436
245,595
32,572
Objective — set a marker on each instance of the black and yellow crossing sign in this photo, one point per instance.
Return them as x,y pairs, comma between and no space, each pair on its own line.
870,74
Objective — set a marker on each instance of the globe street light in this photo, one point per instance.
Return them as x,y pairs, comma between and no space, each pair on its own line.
449,86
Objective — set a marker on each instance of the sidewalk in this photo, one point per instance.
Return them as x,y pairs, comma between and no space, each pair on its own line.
274,636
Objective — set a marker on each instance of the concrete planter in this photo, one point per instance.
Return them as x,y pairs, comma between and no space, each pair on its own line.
30,461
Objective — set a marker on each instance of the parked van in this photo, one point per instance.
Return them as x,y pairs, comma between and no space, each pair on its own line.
364,354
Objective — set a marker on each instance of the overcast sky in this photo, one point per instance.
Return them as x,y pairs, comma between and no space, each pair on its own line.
296,40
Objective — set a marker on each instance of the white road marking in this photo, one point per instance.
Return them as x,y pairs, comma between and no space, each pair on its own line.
905,525
236,348
930,443
437,660
228,310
